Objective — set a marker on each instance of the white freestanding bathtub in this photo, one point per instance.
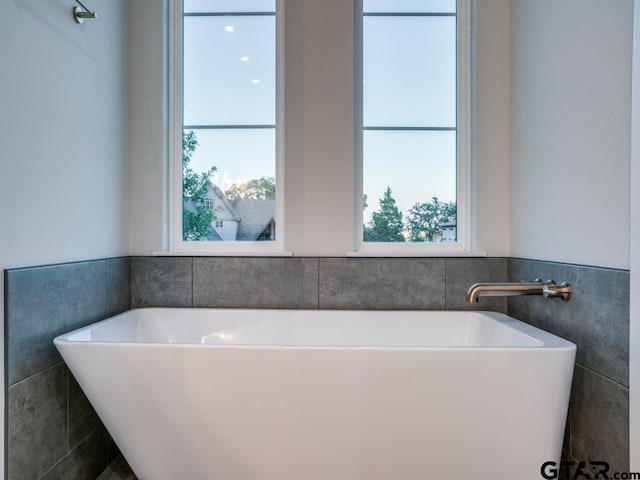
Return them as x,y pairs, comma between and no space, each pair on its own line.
209,394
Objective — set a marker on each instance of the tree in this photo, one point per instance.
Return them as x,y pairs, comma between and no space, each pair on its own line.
196,217
367,231
386,223
263,188
425,219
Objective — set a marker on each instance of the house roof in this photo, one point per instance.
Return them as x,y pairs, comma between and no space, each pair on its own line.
451,223
213,236
255,216
227,203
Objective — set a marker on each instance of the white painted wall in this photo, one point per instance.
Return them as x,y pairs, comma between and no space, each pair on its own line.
319,133
147,72
570,111
492,126
634,350
319,127
63,163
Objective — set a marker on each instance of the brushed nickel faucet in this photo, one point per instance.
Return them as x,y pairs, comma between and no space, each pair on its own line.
548,289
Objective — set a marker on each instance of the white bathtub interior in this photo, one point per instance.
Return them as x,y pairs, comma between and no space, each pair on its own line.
308,328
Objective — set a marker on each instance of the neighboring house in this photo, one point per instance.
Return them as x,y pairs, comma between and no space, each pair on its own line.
240,219
449,231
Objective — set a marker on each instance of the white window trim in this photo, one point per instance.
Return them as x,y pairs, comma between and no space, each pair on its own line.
173,228
177,246
464,180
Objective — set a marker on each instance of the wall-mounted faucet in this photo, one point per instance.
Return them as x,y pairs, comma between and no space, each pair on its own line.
549,289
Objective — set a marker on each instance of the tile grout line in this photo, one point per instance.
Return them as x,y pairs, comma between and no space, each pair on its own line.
445,284
50,367
569,427
67,373
69,452
595,372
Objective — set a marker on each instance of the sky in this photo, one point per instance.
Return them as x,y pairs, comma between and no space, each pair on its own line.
409,73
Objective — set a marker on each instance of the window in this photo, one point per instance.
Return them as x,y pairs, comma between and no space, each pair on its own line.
411,131
227,101
413,163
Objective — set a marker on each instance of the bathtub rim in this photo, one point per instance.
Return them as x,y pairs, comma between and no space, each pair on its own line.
549,340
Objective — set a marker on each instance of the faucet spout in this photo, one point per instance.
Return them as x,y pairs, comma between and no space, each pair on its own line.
478,290
549,289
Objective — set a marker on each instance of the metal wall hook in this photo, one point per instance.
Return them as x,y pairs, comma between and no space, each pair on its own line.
80,14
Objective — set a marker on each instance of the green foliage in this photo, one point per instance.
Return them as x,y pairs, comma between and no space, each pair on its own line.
424,223
425,219
259,188
196,218
386,223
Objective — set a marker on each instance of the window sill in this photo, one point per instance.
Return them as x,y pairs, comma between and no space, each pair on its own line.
228,253
413,250
225,249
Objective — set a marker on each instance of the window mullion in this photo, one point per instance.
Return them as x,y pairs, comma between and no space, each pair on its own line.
228,127
412,129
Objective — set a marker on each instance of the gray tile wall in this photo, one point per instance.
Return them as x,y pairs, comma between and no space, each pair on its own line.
255,283
596,319
311,283
64,438
52,431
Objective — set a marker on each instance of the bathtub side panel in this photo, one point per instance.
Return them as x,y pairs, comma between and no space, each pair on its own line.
359,414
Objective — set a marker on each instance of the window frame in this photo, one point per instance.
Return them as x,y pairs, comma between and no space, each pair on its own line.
464,180
174,207
354,246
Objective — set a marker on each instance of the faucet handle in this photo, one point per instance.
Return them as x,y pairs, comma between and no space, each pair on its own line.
552,290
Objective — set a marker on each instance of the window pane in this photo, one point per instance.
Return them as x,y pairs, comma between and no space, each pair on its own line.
238,155
409,71
422,6
416,166
229,70
229,6
242,189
